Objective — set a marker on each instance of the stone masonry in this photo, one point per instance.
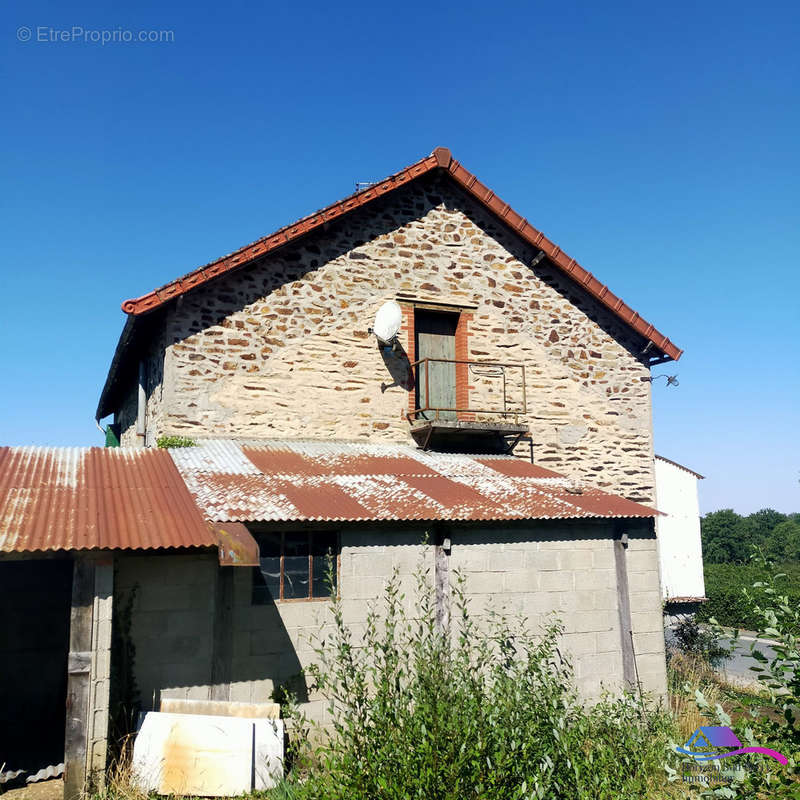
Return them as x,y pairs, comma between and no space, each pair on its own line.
280,348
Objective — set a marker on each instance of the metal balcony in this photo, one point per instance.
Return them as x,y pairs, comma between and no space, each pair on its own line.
439,421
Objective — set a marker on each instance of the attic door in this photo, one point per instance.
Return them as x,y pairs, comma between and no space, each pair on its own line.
435,333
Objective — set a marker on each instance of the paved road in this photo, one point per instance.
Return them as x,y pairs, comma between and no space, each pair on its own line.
738,668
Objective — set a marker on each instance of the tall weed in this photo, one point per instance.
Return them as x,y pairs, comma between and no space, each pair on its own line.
487,709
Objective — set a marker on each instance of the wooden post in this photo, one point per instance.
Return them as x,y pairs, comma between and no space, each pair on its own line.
222,644
78,677
624,608
442,579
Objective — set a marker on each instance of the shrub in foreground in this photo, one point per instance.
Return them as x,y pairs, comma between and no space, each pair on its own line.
487,711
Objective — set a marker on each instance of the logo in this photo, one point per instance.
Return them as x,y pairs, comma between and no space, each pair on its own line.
708,741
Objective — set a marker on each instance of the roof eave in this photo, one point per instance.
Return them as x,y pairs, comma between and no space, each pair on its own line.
104,407
440,159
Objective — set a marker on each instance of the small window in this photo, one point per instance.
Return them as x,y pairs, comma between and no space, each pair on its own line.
295,566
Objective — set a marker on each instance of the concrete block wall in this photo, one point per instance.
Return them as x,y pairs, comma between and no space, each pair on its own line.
238,351
567,569
647,620
173,616
100,674
172,623
273,643
536,570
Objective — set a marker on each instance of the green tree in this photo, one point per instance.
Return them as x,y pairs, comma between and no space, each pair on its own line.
759,526
723,537
783,542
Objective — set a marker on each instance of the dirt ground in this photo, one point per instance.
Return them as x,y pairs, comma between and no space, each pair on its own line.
44,790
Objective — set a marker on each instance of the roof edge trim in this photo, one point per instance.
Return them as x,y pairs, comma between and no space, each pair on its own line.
441,159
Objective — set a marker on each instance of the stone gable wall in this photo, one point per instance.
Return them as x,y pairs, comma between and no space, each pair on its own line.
281,349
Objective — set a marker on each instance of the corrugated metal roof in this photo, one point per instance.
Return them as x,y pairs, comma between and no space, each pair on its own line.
285,480
78,498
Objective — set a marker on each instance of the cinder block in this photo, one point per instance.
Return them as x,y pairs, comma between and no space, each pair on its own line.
576,559
649,642
543,560
580,644
241,692
504,561
527,581
407,560
649,600
577,600
606,600
303,614
642,561
539,603
585,621
603,556
608,641
600,665
360,588
560,581
596,579
484,583
355,610
469,559
654,682
651,662
265,644
191,693
366,564
642,582
647,621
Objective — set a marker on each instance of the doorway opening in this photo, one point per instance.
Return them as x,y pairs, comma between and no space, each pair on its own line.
35,602
435,339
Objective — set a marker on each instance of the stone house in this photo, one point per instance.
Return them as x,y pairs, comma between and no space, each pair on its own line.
508,424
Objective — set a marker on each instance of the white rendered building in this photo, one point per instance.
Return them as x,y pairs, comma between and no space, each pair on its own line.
678,530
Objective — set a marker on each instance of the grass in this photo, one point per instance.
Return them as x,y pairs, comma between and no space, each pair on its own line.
684,675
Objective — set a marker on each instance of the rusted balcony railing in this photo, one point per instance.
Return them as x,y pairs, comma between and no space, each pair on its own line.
449,385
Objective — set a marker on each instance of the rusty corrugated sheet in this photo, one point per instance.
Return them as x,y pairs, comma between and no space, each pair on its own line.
85,498
281,481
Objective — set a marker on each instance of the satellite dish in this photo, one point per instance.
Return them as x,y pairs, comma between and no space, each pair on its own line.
387,322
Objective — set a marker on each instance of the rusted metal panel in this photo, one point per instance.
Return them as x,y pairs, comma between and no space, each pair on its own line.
95,498
124,498
516,467
237,547
286,480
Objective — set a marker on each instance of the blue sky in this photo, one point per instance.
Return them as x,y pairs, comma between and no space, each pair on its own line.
656,143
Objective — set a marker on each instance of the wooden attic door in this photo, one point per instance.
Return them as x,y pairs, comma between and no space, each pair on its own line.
435,334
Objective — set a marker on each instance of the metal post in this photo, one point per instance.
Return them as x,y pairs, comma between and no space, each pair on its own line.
427,387
524,393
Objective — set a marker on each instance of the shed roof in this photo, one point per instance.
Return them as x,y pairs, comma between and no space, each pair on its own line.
679,466
440,160
282,481
81,498
84,498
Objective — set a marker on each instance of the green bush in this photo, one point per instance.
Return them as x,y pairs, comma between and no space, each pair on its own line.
489,711
725,589
175,441
774,720
694,641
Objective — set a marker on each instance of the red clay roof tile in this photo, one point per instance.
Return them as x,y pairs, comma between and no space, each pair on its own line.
441,158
